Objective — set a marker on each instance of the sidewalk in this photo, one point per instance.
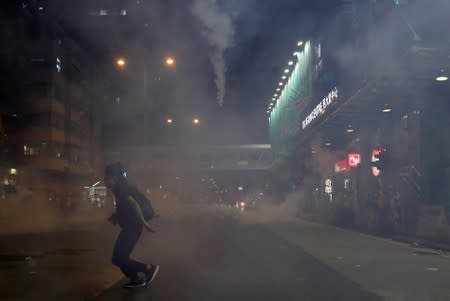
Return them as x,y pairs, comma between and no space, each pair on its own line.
393,270
39,219
64,265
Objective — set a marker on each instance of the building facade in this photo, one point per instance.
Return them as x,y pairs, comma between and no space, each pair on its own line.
57,141
378,87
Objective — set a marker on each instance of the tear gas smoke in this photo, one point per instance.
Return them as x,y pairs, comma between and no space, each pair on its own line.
218,28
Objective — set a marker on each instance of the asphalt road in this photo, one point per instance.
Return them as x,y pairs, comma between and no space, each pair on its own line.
231,261
218,254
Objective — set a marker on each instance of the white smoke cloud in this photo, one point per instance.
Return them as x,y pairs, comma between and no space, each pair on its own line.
218,28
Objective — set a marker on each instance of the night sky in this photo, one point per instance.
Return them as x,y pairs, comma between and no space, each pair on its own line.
264,34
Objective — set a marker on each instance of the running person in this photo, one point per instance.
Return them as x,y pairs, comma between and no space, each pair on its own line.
131,220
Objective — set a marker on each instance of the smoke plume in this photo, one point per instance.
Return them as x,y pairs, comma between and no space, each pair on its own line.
218,29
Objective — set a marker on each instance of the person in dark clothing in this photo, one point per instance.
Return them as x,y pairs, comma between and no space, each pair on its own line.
131,220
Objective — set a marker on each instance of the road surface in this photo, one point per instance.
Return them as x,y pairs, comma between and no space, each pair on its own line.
222,256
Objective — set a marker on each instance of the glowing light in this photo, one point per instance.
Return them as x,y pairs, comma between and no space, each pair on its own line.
300,43
121,62
286,70
375,171
386,110
442,78
291,63
279,89
321,107
170,61
284,77
280,84
196,121
169,120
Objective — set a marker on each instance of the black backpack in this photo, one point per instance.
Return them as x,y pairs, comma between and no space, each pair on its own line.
144,203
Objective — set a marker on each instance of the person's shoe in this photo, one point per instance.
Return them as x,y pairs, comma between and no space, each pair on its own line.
151,274
135,283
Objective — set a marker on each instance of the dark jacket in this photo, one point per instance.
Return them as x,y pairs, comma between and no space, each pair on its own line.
125,213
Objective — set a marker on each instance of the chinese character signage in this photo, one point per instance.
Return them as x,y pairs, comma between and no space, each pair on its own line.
321,107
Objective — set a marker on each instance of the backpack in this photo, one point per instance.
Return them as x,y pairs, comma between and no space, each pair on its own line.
144,203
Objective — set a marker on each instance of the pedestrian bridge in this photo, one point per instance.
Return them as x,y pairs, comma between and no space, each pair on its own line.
244,157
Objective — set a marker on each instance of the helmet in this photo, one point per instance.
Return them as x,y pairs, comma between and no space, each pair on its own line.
115,171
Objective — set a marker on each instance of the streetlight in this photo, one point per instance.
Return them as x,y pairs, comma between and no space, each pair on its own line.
300,43
121,62
442,78
386,108
169,121
196,121
170,61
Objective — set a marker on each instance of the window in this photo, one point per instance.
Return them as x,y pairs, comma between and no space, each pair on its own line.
30,151
39,89
75,129
47,119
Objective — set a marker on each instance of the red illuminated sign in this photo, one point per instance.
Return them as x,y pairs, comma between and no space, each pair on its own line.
341,166
354,160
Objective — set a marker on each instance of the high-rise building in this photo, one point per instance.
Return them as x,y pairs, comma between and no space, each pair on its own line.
57,144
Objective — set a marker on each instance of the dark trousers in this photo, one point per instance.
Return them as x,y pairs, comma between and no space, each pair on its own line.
125,243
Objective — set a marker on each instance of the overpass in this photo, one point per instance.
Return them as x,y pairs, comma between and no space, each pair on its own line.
194,158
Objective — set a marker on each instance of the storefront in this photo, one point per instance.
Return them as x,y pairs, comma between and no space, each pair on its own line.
379,98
